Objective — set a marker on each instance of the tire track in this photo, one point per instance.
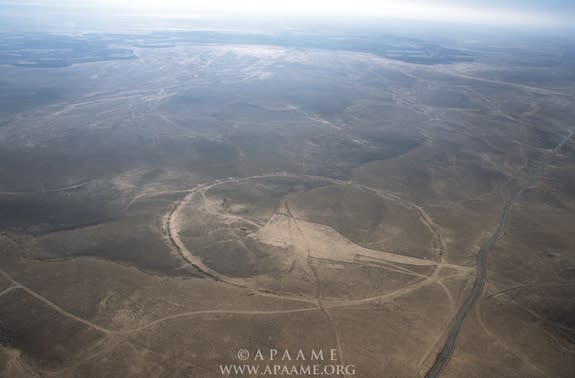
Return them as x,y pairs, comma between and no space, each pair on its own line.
52,305
318,287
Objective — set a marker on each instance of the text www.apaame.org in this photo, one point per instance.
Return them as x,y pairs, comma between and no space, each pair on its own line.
285,370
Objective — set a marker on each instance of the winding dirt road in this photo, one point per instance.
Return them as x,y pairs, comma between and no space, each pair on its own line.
481,266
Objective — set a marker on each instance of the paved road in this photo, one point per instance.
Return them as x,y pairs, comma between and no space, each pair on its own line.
449,346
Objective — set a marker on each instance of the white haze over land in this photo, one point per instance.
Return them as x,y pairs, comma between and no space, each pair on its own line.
551,13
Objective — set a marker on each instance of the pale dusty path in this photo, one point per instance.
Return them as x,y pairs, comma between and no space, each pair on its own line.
317,283
18,286
7,290
524,358
52,305
217,312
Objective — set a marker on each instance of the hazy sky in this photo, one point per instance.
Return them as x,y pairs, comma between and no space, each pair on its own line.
507,12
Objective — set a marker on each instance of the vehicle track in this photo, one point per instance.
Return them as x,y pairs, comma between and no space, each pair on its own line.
18,286
318,286
217,312
54,306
